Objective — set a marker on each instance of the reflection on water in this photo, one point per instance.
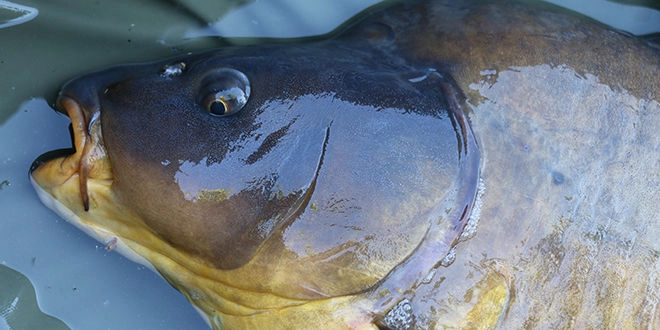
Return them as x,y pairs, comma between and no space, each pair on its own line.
18,304
270,19
626,15
13,14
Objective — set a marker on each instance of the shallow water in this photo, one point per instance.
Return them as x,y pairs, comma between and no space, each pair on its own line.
76,279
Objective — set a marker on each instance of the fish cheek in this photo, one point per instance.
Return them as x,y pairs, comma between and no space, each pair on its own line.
145,156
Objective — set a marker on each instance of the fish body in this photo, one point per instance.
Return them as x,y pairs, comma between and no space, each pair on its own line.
435,164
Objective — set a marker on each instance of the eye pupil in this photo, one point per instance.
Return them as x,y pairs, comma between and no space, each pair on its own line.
223,92
217,107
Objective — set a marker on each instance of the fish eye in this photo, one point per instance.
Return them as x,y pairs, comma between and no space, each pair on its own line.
223,92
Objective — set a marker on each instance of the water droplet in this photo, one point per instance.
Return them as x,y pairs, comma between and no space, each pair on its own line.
173,70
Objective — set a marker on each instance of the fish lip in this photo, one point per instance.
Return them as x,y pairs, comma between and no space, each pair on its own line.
50,156
81,126
86,158
54,154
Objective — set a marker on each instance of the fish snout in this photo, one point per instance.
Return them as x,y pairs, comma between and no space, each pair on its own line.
86,160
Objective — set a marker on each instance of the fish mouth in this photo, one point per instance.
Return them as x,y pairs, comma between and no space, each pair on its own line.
86,160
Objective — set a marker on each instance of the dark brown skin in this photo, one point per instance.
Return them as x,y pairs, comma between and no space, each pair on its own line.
352,170
144,124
